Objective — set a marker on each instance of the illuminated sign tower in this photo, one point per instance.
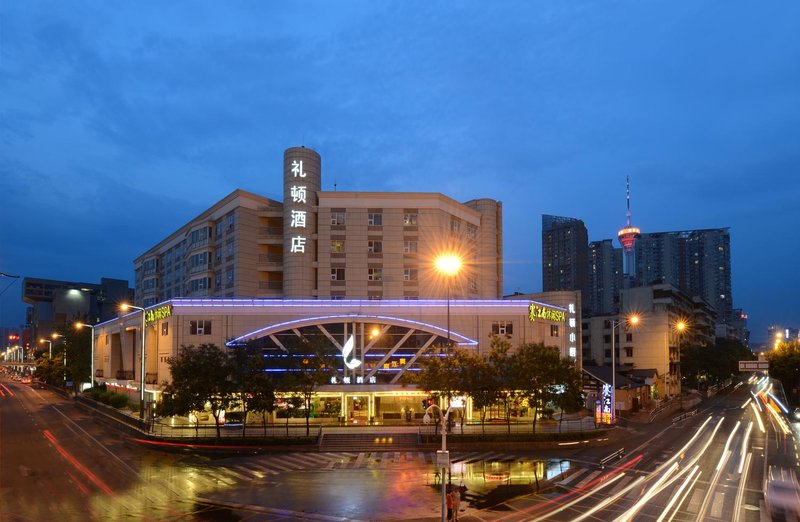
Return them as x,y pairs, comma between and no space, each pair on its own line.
627,238
301,182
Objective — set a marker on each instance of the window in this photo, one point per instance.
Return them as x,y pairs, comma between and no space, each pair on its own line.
455,226
200,327
218,255
337,218
150,264
374,274
410,274
149,284
200,234
608,354
374,219
220,227
229,250
336,297
628,352
472,283
229,277
198,260
410,247
502,327
409,220
607,339
337,246
199,284
165,328
374,247
472,231
218,280
337,274
629,337
230,220
553,330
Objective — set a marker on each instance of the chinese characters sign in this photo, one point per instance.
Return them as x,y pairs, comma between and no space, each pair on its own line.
156,314
572,331
604,414
298,194
545,312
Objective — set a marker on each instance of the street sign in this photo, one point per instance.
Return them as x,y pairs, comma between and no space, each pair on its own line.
442,459
753,366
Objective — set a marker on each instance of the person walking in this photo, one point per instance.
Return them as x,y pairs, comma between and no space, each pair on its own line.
449,503
456,502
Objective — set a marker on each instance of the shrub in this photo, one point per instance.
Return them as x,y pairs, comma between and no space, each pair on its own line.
117,400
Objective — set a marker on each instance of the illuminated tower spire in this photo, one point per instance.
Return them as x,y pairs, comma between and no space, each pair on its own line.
627,238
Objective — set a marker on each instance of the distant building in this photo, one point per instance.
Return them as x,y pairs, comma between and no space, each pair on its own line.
605,278
56,303
565,254
569,334
319,244
739,328
654,342
696,261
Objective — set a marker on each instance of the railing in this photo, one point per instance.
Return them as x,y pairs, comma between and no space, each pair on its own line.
98,373
270,231
197,244
271,258
124,375
270,285
162,428
614,456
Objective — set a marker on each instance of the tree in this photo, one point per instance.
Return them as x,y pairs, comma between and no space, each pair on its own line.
539,372
247,366
308,364
569,397
506,374
479,381
718,361
784,365
200,376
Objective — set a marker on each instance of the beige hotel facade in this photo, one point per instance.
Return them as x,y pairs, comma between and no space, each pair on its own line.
349,267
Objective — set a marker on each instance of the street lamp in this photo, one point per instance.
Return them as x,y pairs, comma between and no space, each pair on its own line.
679,327
49,344
442,457
448,265
124,307
778,337
78,326
631,320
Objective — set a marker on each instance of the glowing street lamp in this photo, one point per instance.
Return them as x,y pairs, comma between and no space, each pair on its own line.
124,307
78,326
448,265
631,320
49,345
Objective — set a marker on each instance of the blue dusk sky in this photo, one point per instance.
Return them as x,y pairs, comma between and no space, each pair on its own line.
120,121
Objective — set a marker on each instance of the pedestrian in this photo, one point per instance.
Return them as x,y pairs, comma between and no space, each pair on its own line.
456,502
449,504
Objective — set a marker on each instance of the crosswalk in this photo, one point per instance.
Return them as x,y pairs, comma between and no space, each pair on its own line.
263,466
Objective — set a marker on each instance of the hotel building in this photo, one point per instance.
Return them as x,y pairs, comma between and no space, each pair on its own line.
355,270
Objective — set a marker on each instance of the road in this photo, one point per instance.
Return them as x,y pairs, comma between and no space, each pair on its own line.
55,461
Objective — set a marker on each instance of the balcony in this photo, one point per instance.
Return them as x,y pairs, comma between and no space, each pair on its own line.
269,262
275,286
98,373
197,245
270,235
269,211
151,378
124,375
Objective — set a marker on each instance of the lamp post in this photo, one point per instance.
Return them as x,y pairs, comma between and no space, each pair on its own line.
631,320
78,326
442,457
49,344
124,308
448,265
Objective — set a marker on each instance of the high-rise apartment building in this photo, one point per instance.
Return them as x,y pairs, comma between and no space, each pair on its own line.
696,261
565,254
605,278
327,245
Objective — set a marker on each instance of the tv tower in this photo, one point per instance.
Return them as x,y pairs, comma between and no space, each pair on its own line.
627,238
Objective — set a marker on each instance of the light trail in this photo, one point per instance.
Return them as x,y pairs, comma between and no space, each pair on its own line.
758,418
630,513
747,402
723,458
677,493
610,500
579,499
76,464
684,496
740,494
744,445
